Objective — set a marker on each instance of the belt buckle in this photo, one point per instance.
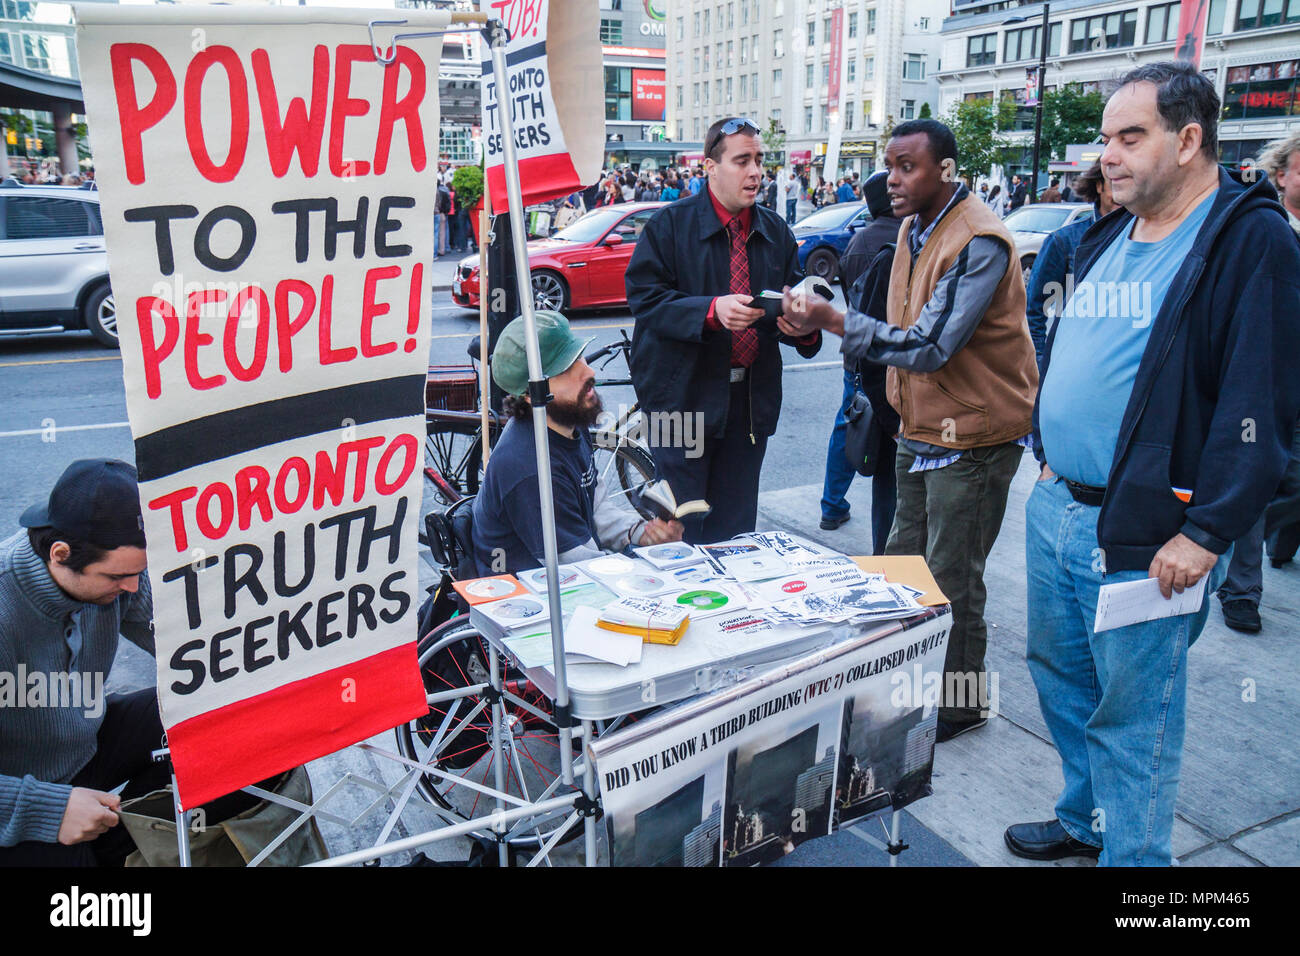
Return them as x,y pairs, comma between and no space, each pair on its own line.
738,374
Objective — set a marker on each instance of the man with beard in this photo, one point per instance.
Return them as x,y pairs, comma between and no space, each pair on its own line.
507,522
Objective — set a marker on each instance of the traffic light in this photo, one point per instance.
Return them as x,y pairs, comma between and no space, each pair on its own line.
11,137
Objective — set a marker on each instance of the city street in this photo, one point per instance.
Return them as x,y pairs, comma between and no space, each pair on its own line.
1238,804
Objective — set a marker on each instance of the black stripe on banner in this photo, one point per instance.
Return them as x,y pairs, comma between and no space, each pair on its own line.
518,56
240,430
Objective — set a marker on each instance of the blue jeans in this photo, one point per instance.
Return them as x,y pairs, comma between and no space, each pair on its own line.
440,234
840,474
1115,702
789,210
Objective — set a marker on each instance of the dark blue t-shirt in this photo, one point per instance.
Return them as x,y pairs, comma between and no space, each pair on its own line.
507,511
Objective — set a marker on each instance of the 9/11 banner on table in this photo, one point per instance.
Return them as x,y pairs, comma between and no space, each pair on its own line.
556,98
743,776
267,191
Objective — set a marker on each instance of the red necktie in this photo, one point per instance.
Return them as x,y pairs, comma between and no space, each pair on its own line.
744,344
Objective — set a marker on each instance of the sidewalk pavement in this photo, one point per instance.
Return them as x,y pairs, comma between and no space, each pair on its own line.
1239,798
1238,802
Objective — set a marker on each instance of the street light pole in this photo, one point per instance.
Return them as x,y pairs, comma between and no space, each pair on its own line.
1038,107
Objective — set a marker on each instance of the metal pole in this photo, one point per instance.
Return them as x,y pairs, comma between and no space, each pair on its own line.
1042,94
182,826
498,752
537,387
589,788
485,385
895,825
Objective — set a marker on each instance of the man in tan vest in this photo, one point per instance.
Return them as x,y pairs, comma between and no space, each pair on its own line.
962,376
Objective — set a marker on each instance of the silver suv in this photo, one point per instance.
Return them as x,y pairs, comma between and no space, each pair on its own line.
53,264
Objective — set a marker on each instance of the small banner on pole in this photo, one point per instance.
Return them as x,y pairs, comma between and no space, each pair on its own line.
1192,16
267,194
556,97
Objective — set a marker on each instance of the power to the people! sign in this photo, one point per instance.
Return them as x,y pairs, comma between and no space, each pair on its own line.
267,195
556,98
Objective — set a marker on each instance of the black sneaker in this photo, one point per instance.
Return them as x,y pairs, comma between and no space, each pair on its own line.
948,729
830,524
1242,615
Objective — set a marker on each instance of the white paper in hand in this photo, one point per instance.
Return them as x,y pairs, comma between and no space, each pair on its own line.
1119,605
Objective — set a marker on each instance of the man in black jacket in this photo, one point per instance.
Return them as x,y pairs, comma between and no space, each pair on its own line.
698,347
1018,194
1170,388
862,249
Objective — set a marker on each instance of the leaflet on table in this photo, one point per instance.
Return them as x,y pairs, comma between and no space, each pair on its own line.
810,581
670,556
871,601
792,547
744,560
584,642
629,577
738,624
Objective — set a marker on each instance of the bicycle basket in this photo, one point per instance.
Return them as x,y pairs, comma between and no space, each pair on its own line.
452,388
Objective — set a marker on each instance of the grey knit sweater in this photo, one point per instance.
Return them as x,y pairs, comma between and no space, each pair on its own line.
46,734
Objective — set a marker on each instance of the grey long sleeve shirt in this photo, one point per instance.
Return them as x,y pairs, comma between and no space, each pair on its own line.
46,736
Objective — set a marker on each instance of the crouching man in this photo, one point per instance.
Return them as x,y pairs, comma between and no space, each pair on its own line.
71,583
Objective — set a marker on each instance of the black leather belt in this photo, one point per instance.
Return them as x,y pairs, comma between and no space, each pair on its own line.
1086,494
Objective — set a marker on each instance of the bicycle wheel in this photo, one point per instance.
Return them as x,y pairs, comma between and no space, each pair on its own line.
454,736
623,467
453,460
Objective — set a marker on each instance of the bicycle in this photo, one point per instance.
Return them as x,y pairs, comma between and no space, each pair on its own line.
453,739
453,466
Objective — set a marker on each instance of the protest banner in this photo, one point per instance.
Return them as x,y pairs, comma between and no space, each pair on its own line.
556,98
744,775
267,194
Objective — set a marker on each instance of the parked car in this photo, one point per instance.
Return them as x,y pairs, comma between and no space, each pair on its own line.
580,267
823,236
53,263
1030,225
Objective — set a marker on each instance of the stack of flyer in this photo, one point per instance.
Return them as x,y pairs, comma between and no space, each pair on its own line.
654,620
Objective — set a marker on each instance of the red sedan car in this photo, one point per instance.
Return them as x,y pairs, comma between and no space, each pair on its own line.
580,267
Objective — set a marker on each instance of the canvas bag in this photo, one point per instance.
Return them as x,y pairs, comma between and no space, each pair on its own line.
231,842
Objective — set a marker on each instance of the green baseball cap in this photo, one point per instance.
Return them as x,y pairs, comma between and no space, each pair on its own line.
559,348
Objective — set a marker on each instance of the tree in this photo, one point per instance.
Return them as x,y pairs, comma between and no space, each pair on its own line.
467,181
977,126
925,111
1070,116
773,138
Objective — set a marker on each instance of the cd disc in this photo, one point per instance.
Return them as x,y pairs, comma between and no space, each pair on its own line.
704,600
696,574
517,609
489,587
613,564
537,578
640,583
670,552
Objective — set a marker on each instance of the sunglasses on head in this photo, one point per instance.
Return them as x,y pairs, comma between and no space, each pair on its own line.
728,128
